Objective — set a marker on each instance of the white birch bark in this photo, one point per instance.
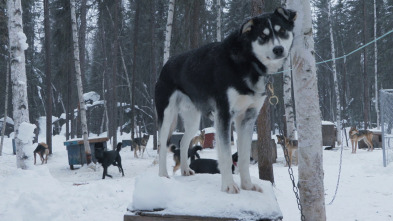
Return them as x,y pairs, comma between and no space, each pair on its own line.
338,103
168,32
18,75
308,115
376,65
219,20
79,83
7,83
288,101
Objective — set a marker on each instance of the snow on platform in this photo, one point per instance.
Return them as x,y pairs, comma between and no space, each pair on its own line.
200,195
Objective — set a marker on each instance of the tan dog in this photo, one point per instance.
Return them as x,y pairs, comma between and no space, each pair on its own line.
198,139
139,144
357,135
291,145
42,150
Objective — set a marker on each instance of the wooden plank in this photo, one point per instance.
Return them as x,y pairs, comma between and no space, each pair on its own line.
151,216
156,216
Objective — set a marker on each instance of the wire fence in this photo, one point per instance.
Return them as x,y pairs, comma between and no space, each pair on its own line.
386,102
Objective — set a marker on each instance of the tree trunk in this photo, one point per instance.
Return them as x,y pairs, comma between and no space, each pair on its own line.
153,71
18,76
376,65
288,101
133,111
219,9
308,115
265,162
265,151
79,83
168,31
115,49
48,78
338,104
366,95
7,83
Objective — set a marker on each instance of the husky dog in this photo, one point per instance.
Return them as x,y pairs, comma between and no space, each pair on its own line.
43,151
225,81
291,146
139,144
358,135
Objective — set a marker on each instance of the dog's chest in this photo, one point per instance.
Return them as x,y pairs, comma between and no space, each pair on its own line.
239,103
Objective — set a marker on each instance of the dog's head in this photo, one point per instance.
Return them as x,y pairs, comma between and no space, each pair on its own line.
280,139
353,131
271,36
145,139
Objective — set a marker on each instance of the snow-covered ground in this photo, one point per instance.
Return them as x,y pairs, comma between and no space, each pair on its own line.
54,192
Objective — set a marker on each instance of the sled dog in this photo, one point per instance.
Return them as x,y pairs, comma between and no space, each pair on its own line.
139,144
43,151
291,145
226,82
357,135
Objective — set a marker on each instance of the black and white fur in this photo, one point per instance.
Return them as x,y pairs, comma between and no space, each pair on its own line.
225,81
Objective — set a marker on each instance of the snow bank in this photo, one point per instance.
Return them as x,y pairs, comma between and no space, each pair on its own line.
201,195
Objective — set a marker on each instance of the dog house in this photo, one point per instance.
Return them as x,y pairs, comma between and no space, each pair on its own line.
209,138
76,150
329,133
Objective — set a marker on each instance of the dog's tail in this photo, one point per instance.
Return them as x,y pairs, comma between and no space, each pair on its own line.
118,148
172,148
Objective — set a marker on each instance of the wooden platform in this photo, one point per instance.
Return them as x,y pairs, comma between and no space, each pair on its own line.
197,198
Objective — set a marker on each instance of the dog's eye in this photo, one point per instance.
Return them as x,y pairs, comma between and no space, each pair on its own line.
282,31
263,36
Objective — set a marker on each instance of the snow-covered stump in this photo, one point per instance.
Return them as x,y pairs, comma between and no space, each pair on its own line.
199,198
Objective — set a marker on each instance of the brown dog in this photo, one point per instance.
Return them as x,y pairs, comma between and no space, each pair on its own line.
198,139
357,135
291,145
42,150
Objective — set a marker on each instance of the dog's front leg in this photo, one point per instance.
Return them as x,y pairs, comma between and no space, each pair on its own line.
244,128
223,144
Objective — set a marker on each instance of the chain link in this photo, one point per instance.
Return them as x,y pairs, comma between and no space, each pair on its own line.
339,170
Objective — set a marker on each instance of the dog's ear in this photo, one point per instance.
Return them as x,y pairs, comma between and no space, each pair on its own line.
247,26
288,14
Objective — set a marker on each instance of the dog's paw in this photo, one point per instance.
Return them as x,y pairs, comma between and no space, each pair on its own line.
252,187
232,188
188,172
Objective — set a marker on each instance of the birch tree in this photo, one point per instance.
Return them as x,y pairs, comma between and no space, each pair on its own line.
334,69
7,82
79,83
308,115
376,64
168,31
18,76
288,101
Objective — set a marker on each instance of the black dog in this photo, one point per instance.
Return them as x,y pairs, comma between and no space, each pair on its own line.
107,158
210,165
192,153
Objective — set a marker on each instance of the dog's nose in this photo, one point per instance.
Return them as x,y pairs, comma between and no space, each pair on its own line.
278,50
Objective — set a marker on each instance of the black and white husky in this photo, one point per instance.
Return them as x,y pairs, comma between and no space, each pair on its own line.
225,81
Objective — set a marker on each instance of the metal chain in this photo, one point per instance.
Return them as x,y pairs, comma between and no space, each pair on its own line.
339,170
290,171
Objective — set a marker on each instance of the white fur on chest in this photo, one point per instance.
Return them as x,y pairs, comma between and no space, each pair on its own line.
239,103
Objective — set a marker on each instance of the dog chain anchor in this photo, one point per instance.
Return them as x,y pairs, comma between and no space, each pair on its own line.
273,99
